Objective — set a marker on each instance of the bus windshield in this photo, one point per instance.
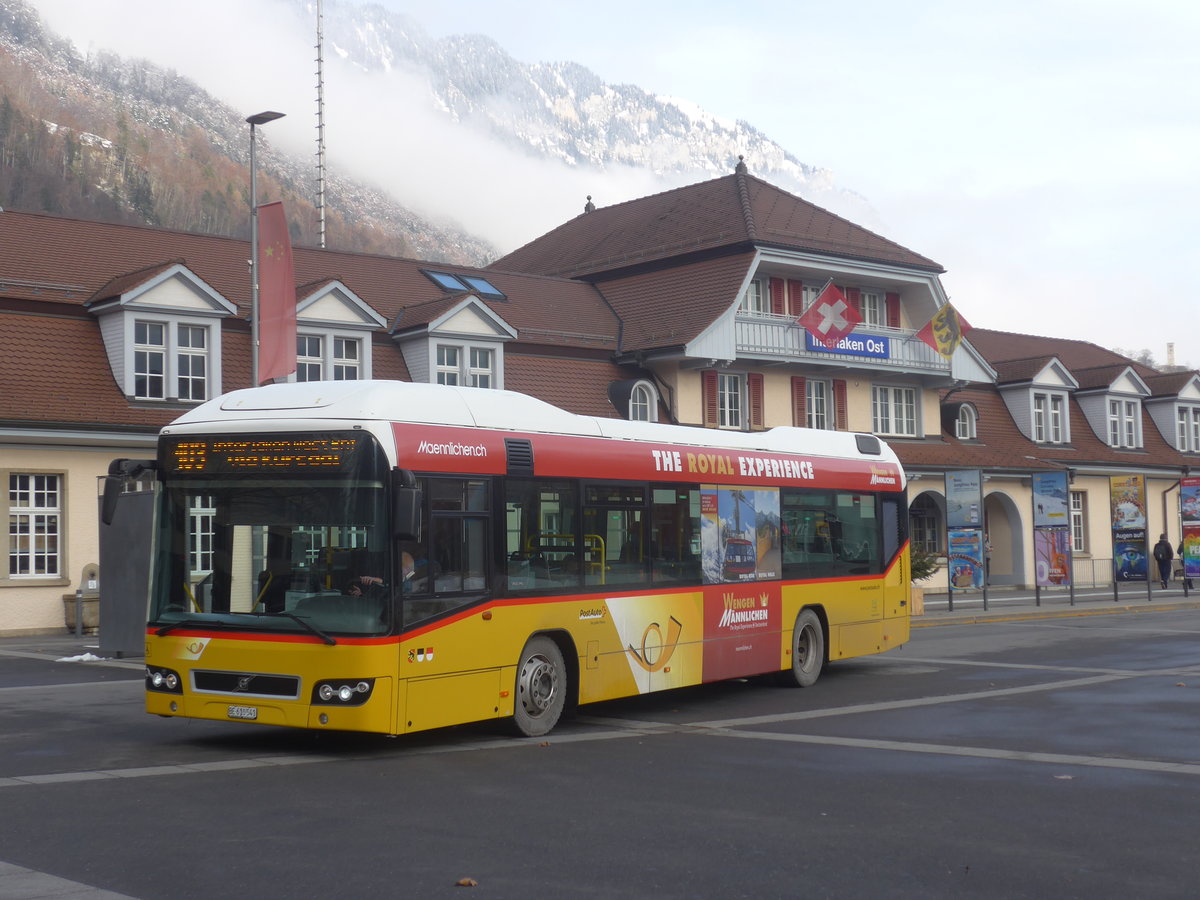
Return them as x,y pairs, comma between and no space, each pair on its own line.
275,549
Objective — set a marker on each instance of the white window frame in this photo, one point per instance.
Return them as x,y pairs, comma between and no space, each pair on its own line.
310,365
179,359
757,298
338,356
347,358
872,308
731,401
1078,502
481,367
816,404
895,410
192,361
36,523
966,424
643,403
150,344
1187,428
1124,423
1049,418
448,364
201,531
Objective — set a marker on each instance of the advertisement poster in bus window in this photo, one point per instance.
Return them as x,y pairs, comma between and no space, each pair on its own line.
1128,502
1050,500
965,559
1052,556
739,530
964,499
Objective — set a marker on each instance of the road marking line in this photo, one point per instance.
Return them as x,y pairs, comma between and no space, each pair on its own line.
1059,759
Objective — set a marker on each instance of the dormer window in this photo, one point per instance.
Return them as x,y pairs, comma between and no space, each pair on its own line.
964,425
170,361
1049,418
1124,423
1187,434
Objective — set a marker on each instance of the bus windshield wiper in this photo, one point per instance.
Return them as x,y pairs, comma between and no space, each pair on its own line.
309,626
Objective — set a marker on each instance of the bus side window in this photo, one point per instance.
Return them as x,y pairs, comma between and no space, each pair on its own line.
450,566
541,534
675,533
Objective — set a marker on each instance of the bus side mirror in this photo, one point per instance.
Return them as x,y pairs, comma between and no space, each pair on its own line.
112,493
406,507
118,471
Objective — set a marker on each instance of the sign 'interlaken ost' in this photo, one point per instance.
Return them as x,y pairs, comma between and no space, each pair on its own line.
831,316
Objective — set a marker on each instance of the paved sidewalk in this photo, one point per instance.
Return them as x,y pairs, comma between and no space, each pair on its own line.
1015,604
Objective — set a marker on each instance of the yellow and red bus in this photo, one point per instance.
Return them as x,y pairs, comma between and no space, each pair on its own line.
392,557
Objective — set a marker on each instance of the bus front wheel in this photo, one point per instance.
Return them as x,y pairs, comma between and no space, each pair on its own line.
808,651
541,687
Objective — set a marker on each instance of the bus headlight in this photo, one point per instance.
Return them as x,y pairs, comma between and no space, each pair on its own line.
343,691
165,681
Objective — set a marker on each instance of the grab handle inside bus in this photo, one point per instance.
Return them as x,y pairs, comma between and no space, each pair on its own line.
406,506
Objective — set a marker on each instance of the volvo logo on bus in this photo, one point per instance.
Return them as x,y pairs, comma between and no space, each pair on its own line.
243,683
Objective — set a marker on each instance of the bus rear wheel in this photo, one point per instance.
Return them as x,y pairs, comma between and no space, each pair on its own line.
808,651
541,687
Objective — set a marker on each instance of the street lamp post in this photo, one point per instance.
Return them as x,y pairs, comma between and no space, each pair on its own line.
255,120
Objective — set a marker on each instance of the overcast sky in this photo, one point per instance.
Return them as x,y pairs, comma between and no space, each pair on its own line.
1045,152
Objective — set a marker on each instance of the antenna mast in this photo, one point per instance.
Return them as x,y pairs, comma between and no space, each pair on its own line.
320,128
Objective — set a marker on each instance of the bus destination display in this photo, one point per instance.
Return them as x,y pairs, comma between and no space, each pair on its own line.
187,456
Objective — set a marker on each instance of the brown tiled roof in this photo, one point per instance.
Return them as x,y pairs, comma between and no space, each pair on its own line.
669,307
1000,445
1011,371
51,259
53,266
1099,376
1166,384
1003,346
730,211
59,376
567,383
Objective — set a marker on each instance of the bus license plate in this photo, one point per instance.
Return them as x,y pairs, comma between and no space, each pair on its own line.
243,712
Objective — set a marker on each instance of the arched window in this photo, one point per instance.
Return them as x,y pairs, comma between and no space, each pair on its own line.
964,428
643,403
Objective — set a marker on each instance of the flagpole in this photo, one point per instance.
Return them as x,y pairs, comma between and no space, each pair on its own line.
257,119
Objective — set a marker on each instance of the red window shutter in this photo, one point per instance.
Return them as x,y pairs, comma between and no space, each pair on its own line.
708,394
840,414
799,400
795,297
854,297
777,297
893,309
754,388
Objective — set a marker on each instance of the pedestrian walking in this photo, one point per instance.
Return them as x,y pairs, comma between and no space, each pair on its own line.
1163,554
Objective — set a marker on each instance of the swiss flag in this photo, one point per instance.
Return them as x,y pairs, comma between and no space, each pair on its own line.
831,317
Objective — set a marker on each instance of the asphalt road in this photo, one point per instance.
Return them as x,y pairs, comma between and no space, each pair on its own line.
1054,758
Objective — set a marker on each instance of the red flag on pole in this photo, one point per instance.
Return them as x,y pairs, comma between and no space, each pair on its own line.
276,296
831,317
944,332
